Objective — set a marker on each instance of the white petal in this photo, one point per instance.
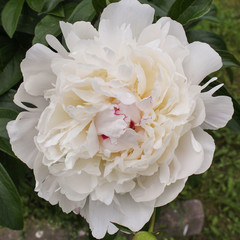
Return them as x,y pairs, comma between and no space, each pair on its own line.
201,61
123,210
92,140
219,111
55,44
208,145
148,188
189,154
22,96
176,29
22,132
170,192
73,33
36,69
130,12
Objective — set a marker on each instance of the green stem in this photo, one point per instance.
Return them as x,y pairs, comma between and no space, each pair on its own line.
152,221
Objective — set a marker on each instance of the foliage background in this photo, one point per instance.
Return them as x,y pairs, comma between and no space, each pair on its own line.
218,188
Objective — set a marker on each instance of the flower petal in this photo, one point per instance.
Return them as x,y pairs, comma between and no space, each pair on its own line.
130,12
36,69
23,97
123,210
219,111
201,61
22,132
208,145
170,192
189,154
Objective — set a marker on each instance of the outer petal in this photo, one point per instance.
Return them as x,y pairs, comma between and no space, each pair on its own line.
201,61
163,27
170,192
23,97
73,33
189,154
208,145
123,210
36,69
176,29
22,132
219,111
130,12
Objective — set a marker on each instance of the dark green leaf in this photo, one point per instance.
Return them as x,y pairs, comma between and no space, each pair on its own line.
228,59
184,11
58,11
230,74
7,50
84,11
123,228
36,5
214,40
10,16
6,101
68,8
48,25
211,15
10,203
49,5
27,21
163,6
99,5
11,73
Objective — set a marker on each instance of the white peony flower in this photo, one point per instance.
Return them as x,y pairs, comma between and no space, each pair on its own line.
118,123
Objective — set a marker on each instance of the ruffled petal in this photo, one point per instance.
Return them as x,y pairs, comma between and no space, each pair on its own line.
170,192
163,27
22,132
36,70
22,97
208,146
123,210
130,12
201,61
189,154
219,111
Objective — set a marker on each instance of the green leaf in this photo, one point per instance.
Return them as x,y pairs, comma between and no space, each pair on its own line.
10,204
11,73
184,11
7,50
27,21
84,11
49,5
10,15
58,11
214,40
211,15
48,25
228,59
163,6
123,228
99,5
36,5
6,101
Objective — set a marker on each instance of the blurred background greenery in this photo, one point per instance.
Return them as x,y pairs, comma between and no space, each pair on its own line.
218,188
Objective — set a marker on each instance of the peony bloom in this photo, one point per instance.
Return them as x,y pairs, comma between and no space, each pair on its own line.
117,122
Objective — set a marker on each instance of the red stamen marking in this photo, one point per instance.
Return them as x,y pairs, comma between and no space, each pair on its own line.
104,137
132,125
